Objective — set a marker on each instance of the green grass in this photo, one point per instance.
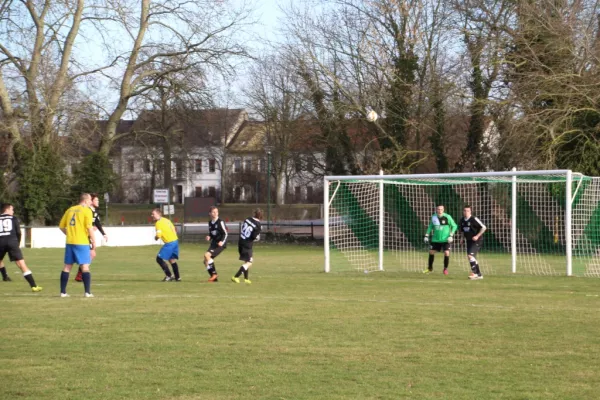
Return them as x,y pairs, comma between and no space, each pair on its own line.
295,333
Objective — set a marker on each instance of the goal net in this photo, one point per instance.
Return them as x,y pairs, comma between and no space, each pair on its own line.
538,222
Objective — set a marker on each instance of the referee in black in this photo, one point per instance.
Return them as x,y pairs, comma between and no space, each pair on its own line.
10,239
473,229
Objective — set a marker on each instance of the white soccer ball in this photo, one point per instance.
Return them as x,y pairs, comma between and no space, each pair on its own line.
372,116
366,271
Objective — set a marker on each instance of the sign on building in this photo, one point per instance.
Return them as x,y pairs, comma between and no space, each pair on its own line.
161,196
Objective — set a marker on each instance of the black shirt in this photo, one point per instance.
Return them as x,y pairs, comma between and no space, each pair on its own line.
96,221
471,227
217,232
10,230
250,230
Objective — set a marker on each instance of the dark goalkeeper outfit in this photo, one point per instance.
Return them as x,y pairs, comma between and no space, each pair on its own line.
442,229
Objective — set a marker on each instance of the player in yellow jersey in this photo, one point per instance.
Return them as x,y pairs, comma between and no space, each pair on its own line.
76,223
170,250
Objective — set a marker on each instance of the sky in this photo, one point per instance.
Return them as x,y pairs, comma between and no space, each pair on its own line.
267,15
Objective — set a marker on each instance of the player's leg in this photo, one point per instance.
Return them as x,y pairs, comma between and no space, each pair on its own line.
28,275
432,252
160,259
211,267
173,260
446,258
79,277
83,257
246,256
5,276
472,250
69,260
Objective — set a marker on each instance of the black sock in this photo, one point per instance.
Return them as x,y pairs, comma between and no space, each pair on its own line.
477,268
211,269
163,265
87,281
80,270
176,270
3,272
246,270
29,279
446,261
240,272
431,257
474,267
64,279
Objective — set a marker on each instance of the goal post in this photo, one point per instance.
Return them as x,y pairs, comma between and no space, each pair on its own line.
538,222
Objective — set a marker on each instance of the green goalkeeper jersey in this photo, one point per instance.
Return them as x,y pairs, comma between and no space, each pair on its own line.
443,227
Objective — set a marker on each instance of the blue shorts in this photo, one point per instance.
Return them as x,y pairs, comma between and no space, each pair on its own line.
169,251
78,254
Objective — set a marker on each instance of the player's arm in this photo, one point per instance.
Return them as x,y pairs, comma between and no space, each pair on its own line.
158,233
63,224
255,235
98,225
453,228
88,221
482,228
429,228
222,233
17,226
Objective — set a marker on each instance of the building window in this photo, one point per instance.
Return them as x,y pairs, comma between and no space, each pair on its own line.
237,165
297,194
147,167
198,167
237,193
309,194
198,191
262,165
161,166
310,164
177,165
298,164
247,165
211,166
131,166
212,192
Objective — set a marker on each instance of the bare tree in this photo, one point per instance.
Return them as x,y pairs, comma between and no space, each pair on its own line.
275,93
193,34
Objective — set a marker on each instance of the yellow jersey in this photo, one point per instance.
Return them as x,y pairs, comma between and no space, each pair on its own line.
77,220
165,230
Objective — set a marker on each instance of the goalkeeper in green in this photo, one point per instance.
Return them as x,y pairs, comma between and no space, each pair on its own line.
443,227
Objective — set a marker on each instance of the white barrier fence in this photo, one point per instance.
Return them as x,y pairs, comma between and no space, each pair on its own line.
117,236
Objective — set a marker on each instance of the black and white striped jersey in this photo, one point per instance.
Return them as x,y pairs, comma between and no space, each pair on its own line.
471,227
217,230
10,229
250,230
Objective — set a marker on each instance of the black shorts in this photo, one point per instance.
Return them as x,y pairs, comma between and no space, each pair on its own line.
440,246
473,247
245,250
215,251
13,251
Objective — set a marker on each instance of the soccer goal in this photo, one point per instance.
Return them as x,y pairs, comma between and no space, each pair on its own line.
538,222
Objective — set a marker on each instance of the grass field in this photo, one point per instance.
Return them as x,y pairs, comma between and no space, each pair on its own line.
295,333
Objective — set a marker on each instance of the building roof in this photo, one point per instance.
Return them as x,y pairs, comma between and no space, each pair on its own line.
192,127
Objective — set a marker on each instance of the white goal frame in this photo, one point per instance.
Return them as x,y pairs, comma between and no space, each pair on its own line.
568,174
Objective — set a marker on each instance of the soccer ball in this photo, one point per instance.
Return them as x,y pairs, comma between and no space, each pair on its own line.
372,116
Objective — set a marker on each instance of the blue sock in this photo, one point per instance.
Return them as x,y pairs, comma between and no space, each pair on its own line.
87,281
64,279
